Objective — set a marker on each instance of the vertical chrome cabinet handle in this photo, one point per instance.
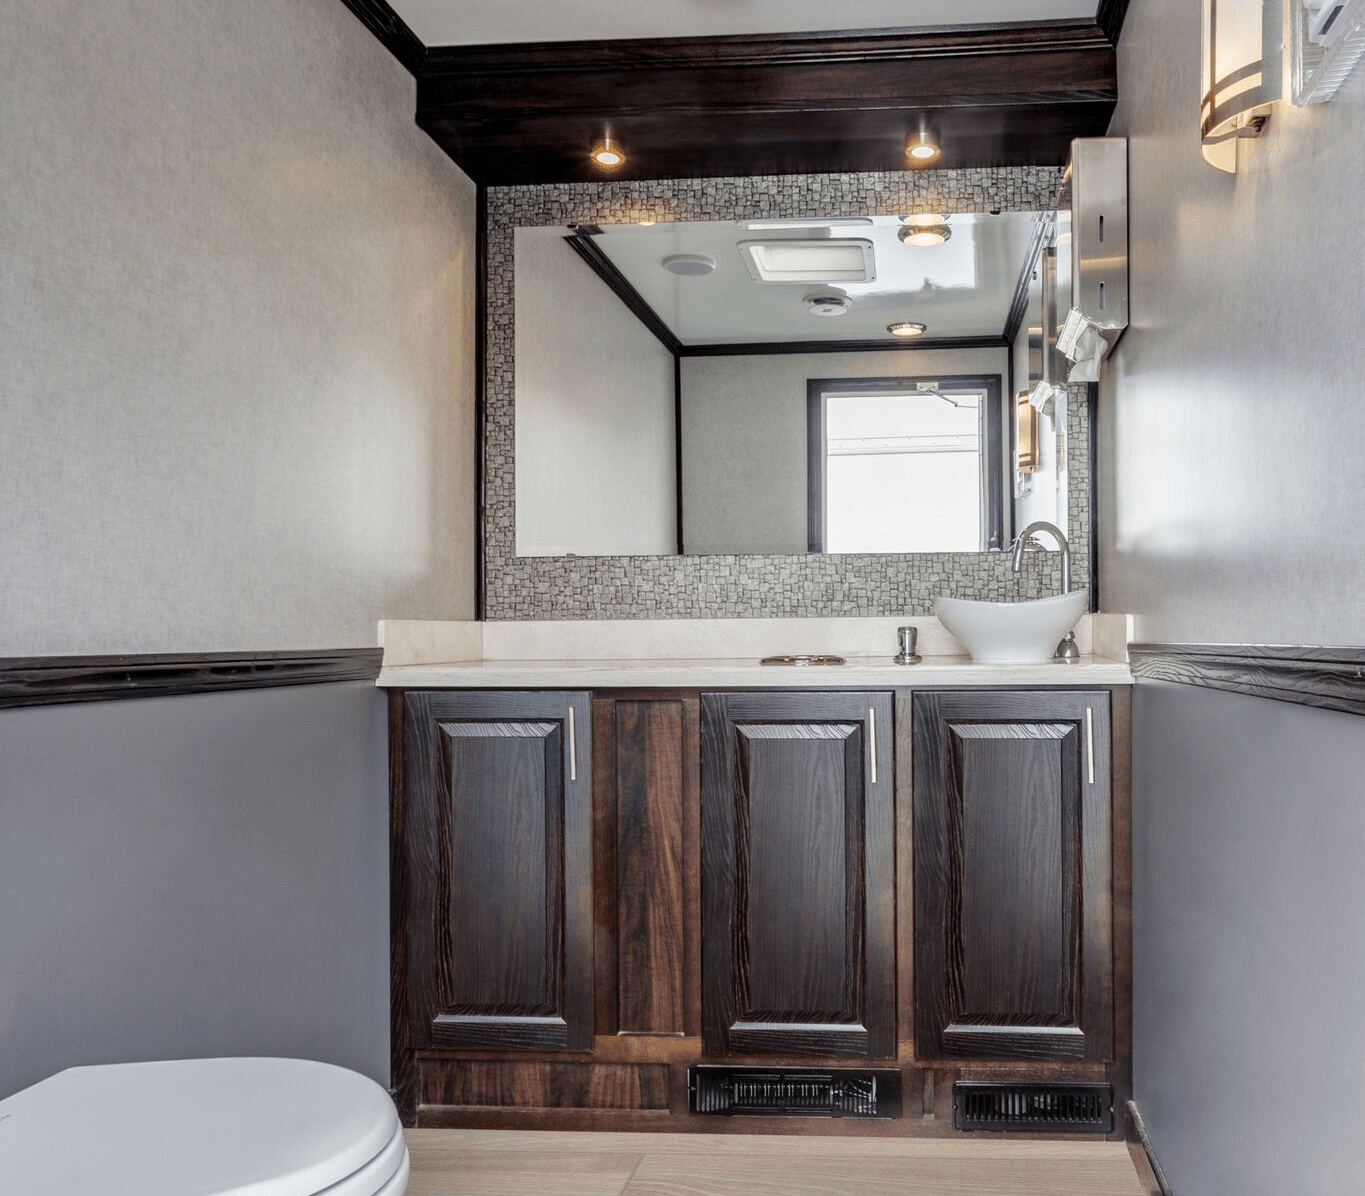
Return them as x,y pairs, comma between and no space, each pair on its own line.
573,749
1090,743
872,739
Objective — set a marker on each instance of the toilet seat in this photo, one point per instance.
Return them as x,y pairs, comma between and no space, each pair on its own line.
203,1127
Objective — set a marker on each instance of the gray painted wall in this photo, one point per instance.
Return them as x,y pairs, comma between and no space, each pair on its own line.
1248,955
1230,460
236,333
194,876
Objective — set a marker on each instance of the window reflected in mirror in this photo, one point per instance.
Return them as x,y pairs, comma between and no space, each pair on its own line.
903,465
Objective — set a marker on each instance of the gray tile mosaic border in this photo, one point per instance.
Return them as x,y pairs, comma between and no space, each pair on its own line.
697,587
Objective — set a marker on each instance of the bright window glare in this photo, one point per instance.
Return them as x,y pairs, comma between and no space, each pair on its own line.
903,473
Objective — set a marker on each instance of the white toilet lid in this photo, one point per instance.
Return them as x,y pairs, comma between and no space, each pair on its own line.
193,1127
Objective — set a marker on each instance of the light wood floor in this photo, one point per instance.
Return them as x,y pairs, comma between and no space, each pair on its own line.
516,1163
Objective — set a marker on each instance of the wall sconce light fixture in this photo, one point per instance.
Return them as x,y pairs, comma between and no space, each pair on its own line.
1242,74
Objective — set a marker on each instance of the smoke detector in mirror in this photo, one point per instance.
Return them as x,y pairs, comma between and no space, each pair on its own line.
828,305
689,265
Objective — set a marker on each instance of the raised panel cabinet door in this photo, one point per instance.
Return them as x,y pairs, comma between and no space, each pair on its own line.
1013,876
798,865
498,845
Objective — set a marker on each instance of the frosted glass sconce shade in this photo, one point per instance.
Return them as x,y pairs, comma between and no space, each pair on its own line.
1242,73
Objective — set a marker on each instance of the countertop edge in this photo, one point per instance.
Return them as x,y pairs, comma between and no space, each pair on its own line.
864,673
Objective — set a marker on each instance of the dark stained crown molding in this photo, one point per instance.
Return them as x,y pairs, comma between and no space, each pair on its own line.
1109,18
390,29
762,49
1330,678
49,680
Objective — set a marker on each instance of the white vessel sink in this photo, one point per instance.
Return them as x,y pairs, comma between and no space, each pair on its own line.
1011,632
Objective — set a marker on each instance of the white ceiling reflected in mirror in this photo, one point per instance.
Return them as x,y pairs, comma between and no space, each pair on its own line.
764,275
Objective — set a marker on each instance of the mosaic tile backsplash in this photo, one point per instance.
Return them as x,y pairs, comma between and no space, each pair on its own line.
694,587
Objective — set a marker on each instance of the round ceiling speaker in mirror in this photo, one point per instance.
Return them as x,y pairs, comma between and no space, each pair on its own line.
689,265
828,305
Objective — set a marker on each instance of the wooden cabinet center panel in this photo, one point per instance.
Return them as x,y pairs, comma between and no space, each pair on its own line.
798,842
1017,861
501,956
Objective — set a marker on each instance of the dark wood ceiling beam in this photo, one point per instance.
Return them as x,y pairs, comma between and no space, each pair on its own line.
811,103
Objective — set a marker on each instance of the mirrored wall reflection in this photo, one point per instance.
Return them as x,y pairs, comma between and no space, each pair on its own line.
741,317
745,585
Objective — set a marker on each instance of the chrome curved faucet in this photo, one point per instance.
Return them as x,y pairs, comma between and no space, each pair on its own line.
1042,525
1067,649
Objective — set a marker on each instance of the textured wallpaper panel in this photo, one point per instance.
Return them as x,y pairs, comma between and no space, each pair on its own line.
236,318
647,587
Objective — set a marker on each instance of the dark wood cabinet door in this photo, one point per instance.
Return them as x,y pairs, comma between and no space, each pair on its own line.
498,845
1013,902
798,864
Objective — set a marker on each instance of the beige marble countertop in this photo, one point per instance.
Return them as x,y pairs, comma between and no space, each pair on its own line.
699,653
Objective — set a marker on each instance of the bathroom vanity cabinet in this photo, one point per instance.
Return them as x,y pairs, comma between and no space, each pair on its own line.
498,864
594,892
1013,876
798,875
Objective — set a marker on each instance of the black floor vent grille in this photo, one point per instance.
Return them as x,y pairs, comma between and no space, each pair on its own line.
789,1092
978,1105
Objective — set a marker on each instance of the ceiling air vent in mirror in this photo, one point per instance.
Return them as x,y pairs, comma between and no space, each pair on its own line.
844,259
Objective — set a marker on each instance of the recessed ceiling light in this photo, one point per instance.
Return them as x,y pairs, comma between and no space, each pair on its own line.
928,234
921,151
607,155
689,265
925,219
907,328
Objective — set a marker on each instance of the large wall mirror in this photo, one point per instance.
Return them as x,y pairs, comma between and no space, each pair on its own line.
689,384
